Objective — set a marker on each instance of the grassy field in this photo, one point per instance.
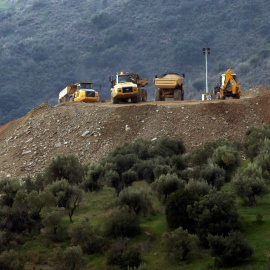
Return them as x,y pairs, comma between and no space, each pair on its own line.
96,206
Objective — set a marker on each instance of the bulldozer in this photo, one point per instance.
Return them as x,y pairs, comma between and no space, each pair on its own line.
228,86
170,85
79,92
128,86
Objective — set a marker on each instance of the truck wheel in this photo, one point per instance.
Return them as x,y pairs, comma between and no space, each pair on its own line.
114,100
177,94
66,99
223,97
134,99
157,95
140,95
145,96
236,96
217,95
182,94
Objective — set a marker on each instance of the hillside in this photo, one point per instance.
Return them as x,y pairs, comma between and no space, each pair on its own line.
91,131
46,45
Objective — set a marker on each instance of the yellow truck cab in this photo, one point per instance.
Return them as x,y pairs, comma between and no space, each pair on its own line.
127,86
86,93
80,92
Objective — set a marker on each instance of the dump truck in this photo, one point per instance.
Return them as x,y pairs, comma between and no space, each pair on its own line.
228,86
128,86
170,85
80,92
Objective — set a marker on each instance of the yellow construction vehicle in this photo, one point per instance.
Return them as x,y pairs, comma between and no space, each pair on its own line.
228,86
170,85
128,86
82,92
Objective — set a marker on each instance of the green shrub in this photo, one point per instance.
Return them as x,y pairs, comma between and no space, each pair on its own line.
10,260
215,214
70,259
137,201
167,184
199,187
129,177
90,239
227,158
214,175
64,167
113,179
131,257
179,243
8,189
122,223
177,210
145,170
178,162
249,183
231,249
200,155
93,177
161,170
253,140
124,256
168,147
114,255
53,225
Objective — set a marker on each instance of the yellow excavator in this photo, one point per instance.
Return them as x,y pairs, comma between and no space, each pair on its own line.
228,86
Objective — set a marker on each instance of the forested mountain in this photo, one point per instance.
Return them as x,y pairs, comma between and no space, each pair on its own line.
46,45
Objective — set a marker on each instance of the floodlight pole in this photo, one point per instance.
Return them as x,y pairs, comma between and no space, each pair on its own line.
206,51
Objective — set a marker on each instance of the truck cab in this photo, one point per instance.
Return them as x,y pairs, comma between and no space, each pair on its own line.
85,92
122,88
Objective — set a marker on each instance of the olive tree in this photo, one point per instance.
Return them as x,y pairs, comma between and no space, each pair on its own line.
249,183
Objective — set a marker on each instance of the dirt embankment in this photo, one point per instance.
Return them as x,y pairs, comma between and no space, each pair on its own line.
91,131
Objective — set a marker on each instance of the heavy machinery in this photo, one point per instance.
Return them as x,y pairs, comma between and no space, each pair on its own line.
127,86
82,92
170,85
228,86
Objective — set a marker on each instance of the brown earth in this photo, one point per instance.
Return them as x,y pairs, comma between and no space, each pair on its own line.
91,131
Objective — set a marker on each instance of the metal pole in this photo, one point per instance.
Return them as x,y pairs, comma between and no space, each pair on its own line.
206,82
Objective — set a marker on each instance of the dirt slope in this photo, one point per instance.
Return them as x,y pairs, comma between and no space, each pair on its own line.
91,131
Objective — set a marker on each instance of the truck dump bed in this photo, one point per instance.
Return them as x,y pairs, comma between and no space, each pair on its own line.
168,81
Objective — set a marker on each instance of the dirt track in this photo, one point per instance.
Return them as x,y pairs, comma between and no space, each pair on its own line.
90,131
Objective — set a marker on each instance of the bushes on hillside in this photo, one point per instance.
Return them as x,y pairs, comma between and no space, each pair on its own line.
215,214
177,210
122,223
249,183
89,238
137,201
167,184
227,158
124,256
179,243
229,250
64,167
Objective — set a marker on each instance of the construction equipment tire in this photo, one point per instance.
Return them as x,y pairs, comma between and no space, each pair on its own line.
145,96
134,99
139,97
223,97
157,95
182,94
115,100
177,94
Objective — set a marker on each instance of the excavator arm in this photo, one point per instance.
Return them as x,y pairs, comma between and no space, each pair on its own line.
230,86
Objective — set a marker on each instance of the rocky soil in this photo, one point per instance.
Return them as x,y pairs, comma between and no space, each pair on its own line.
91,131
